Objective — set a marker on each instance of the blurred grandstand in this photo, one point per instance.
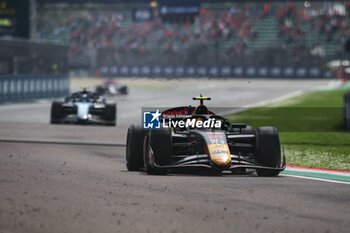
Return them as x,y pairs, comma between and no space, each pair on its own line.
226,33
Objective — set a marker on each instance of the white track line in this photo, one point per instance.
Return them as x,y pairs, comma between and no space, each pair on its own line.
264,102
277,99
318,179
338,173
289,95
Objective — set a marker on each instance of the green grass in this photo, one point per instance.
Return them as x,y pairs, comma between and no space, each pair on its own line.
310,126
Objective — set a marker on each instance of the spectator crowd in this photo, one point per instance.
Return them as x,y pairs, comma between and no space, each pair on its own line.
231,28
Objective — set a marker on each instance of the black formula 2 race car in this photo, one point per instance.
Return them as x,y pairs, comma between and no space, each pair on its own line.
216,147
112,88
84,107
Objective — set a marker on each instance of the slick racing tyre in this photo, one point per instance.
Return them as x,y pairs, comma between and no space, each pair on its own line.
134,148
159,141
124,90
56,112
100,90
109,113
268,150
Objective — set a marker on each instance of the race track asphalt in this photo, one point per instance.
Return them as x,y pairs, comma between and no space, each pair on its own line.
71,178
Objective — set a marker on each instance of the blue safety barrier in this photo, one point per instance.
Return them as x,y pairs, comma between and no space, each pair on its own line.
27,87
219,71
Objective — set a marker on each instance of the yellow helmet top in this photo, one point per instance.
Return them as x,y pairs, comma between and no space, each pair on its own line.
201,98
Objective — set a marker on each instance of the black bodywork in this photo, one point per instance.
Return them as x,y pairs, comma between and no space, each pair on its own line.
163,150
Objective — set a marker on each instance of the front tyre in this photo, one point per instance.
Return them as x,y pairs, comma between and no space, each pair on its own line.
159,142
56,112
134,148
268,150
110,113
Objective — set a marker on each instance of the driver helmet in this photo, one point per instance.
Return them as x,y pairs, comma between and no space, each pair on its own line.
201,109
84,97
84,89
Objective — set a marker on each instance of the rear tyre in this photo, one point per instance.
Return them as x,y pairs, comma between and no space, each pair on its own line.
134,148
159,140
56,112
110,112
100,90
124,90
268,150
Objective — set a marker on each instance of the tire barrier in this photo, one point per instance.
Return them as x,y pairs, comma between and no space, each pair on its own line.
171,71
27,87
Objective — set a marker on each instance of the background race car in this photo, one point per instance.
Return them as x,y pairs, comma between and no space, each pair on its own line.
111,87
218,147
84,107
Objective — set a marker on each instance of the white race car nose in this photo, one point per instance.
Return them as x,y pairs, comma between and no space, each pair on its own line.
83,110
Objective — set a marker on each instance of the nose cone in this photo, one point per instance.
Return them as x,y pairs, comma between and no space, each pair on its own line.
84,117
83,111
220,154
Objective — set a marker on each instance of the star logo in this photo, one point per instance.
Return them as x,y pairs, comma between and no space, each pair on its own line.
151,119
155,115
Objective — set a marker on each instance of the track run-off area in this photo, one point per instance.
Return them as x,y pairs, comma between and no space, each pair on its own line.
72,178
